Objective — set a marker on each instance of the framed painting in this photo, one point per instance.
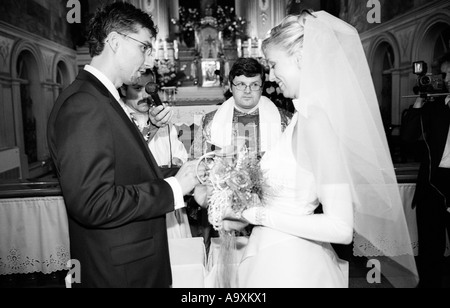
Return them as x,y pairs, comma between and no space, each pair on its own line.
211,73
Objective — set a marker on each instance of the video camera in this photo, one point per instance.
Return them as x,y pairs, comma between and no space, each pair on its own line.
427,83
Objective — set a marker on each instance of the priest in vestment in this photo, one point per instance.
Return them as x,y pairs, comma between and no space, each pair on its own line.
246,114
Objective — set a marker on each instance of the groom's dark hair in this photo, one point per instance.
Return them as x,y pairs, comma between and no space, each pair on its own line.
249,67
120,17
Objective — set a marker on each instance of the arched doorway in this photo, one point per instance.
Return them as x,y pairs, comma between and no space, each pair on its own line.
386,81
28,76
62,76
441,47
435,42
382,75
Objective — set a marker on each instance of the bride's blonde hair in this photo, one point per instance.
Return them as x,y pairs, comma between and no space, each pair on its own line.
288,35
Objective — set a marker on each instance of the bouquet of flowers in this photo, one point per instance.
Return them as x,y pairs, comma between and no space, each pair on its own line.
168,74
188,22
231,25
237,183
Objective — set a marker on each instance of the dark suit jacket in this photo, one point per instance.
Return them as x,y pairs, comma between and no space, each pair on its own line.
115,194
435,117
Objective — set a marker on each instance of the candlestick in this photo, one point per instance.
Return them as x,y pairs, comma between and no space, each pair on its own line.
156,49
166,53
249,47
239,48
220,38
260,48
175,48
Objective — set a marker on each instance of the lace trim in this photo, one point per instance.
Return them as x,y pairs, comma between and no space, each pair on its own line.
364,248
386,247
16,263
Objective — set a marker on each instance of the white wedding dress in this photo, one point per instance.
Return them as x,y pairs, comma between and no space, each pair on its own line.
276,259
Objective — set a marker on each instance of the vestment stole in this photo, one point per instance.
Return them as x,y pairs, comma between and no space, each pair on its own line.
246,125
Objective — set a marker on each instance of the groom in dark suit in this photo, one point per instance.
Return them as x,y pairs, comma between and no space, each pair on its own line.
116,197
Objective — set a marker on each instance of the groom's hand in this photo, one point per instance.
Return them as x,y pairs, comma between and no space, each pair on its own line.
201,194
187,177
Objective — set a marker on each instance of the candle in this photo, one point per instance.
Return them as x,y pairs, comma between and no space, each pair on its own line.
175,48
239,48
260,48
156,49
166,52
249,47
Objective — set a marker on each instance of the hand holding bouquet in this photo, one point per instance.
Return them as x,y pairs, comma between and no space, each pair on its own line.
236,184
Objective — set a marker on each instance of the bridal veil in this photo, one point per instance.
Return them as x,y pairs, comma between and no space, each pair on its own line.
336,78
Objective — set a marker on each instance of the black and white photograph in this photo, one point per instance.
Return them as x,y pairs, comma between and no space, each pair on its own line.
225,150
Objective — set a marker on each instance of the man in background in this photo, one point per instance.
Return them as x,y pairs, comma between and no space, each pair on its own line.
169,153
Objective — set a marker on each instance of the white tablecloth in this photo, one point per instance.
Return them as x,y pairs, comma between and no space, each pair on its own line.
33,235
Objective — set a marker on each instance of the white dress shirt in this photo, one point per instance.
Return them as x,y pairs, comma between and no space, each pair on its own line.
445,162
172,181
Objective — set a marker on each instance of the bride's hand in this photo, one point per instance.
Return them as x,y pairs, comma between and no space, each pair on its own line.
231,222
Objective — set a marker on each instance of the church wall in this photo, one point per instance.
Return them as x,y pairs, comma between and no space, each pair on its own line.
46,18
412,35
42,57
355,11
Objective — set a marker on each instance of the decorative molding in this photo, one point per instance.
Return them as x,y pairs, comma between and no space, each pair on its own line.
405,39
48,62
149,5
14,31
5,53
264,18
408,19
264,5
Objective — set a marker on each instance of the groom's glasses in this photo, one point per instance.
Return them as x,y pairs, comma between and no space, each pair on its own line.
243,87
145,48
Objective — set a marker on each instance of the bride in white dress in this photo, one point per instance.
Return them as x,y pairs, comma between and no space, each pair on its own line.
335,154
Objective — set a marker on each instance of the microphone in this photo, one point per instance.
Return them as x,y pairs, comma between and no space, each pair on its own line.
152,89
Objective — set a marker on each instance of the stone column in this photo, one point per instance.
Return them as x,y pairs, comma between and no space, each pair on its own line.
18,126
238,5
279,9
251,15
160,11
